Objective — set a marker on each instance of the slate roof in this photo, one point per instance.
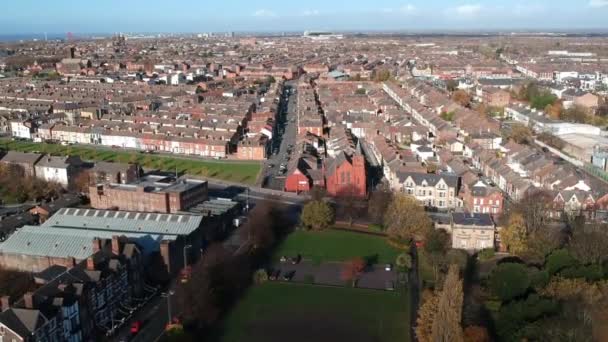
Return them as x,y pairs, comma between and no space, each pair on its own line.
22,321
431,179
474,221
15,157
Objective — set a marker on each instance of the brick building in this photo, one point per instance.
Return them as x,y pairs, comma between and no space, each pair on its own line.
346,175
496,97
118,173
482,198
26,161
150,193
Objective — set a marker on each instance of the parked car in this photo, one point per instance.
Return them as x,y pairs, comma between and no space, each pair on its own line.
296,260
288,276
275,275
388,267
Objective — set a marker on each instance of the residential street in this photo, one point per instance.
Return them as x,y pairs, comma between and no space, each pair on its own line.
285,136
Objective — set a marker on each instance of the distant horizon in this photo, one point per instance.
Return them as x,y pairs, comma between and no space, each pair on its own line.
27,17
84,34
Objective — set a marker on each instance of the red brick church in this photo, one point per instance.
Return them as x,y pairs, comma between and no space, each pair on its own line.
345,175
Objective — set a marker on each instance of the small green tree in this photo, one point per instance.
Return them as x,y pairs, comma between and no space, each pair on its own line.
509,280
317,215
404,261
260,276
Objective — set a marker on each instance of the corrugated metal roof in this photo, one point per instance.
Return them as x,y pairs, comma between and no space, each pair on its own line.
70,232
70,242
120,222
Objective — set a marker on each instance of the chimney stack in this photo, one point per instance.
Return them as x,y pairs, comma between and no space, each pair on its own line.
96,245
28,300
6,302
90,264
115,245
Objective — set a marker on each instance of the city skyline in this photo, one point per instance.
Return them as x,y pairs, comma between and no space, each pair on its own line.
189,16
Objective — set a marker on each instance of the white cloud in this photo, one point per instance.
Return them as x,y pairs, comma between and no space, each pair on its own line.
409,8
264,13
468,10
598,3
311,13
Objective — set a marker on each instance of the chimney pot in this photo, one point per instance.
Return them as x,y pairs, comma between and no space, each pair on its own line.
115,245
6,302
90,264
28,300
96,245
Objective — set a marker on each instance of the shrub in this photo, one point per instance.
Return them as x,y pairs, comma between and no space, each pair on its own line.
538,279
260,276
512,317
404,261
559,260
509,281
590,272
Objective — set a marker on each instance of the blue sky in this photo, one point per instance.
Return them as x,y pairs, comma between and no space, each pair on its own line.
97,16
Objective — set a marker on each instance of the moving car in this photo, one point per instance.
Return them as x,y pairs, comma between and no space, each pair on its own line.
135,327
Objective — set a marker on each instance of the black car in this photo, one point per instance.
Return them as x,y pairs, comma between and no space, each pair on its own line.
288,276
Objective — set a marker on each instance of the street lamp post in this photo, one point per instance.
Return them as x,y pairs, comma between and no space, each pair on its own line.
168,296
186,247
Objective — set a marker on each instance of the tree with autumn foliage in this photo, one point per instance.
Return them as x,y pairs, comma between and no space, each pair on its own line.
514,236
406,219
555,110
462,98
317,215
476,333
446,324
521,134
426,317
352,270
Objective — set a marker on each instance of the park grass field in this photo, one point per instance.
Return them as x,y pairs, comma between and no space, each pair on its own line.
337,245
240,172
296,312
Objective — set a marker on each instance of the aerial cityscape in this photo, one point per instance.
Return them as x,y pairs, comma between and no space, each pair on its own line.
307,171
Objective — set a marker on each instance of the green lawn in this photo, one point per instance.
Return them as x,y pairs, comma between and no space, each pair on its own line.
292,312
241,172
336,245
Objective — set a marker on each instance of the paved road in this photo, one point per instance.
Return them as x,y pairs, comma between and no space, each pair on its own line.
154,317
285,136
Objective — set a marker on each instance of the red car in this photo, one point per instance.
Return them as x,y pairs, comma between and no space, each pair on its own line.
135,327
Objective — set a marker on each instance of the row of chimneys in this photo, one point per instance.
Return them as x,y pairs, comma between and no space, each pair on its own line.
28,301
98,245
28,298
